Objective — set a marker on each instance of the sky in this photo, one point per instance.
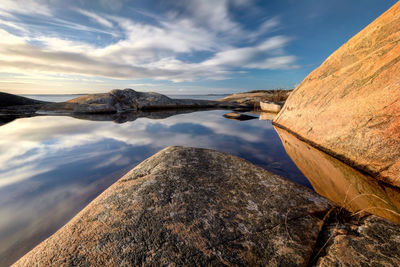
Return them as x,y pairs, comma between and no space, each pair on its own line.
171,46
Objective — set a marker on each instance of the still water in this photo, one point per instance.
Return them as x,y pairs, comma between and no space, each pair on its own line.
53,166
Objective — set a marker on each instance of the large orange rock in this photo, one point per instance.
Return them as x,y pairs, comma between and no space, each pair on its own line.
349,106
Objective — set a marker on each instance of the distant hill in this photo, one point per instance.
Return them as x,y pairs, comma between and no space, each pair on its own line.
7,100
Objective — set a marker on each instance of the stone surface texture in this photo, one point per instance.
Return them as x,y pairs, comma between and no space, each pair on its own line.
127,100
254,98
361,240
350,105
267,106
188,206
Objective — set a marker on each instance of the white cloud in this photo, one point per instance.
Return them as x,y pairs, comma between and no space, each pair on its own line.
27,7
162,51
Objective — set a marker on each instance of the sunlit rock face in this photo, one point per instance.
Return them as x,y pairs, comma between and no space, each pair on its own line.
350,105
340,183
127,100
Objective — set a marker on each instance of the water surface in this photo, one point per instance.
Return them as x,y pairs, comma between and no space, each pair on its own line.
53,166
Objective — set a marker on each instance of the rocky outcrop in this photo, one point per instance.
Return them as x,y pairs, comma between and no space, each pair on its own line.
190,206
127,100
253,98
350,106
357,240
7,100
14,105
187,206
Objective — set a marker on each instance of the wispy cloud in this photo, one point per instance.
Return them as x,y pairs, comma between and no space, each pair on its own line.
99,19
200,40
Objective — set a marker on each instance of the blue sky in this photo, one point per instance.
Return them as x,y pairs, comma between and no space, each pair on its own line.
171,46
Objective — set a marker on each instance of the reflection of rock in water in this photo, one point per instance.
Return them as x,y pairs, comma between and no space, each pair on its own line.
238,116
133,115
266,116
341,183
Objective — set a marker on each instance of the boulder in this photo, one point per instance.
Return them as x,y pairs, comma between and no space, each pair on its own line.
198,207
349,107
127,100
268,106
189,206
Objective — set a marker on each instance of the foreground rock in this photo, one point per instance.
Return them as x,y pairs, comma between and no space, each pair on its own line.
127,100
188,206
357,240
350,105
253,98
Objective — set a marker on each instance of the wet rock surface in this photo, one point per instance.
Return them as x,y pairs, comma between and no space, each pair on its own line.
187,206
127,100
350,106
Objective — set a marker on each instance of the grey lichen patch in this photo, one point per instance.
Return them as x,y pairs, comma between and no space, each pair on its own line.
188,206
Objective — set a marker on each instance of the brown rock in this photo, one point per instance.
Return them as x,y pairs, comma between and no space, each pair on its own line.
253,98
188,206
267,106
349,240
350,105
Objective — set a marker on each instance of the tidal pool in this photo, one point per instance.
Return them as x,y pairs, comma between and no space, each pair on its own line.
53,166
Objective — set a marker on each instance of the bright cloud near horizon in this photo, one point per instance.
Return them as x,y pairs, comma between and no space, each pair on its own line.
171,46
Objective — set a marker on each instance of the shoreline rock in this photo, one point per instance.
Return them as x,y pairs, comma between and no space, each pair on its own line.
349,107
126,100
192,206
253,98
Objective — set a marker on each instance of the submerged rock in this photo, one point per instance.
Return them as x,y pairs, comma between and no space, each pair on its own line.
188,206
350,106
127,100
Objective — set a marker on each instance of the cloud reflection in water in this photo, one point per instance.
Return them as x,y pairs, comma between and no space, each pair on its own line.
51,167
